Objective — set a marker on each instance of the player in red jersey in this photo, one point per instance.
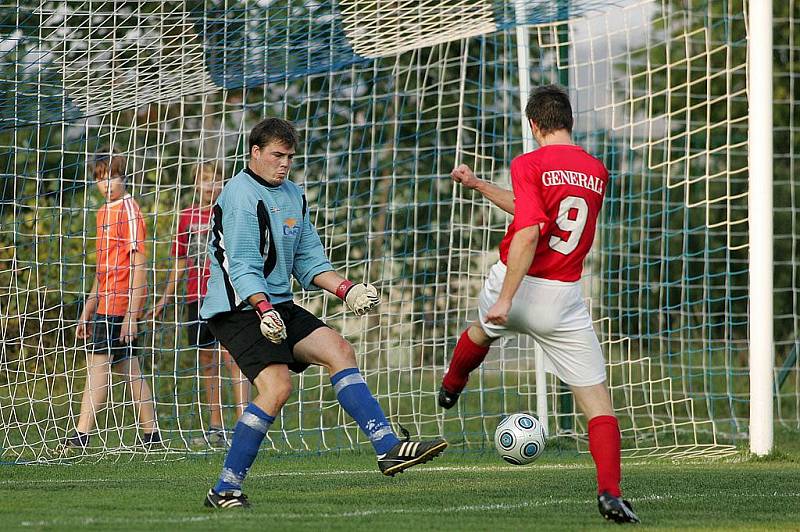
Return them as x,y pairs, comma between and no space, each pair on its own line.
190,253
534,289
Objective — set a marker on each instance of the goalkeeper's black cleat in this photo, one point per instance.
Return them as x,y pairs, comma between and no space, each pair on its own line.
615,509
447,399
226,499
409,453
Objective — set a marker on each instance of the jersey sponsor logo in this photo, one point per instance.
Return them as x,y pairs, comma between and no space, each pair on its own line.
553,178
290,227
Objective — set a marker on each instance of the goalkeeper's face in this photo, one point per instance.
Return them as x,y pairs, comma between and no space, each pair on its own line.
272,162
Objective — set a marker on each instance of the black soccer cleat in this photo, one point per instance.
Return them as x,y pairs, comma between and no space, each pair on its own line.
447,399
615,509
409,453
226,499
72,446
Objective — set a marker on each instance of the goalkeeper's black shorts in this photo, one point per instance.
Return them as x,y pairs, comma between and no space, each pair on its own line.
239,332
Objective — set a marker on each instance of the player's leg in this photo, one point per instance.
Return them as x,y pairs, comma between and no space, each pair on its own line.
208,362
604,445
241,386
265,365
471,349
95,392
201,338
142,398
555,315
98,379
327,348
473,345
274,386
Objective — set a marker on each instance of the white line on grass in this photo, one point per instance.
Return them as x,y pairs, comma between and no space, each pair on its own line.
386,511
324,472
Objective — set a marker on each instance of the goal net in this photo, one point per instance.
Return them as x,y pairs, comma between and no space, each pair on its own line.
387,96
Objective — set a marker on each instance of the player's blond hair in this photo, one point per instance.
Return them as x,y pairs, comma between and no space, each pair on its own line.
207,171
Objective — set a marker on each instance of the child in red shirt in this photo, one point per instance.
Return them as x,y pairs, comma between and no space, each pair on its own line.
189,253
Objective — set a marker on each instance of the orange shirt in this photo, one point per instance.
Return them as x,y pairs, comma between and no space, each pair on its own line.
120,232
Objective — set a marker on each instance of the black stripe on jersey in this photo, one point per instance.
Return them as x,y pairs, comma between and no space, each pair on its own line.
219,253
267,242
305,206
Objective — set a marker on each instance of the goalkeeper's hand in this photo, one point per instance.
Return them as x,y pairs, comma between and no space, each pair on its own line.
272,326
361,297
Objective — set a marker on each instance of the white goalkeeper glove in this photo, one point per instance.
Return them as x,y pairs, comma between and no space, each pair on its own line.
272,326
361,297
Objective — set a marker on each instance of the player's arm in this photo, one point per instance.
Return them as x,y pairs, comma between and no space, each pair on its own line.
501,197
520,258
175,275
312,269
243,238
530,219
245,268
89,308
360,297
136,300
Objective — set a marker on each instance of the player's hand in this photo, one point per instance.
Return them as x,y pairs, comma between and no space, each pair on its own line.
498,314
272,326
463,174
129,330
360,297
156,311
84,329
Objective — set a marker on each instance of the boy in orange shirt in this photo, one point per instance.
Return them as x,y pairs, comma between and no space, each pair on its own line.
113,306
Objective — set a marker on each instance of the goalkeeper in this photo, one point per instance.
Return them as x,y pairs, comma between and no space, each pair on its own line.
261,235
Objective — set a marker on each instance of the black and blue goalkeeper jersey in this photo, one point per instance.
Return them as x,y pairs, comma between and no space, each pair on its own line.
260,237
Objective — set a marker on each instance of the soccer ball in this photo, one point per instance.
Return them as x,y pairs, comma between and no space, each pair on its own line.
520,439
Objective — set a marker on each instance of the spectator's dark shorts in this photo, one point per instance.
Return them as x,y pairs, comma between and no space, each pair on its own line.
106,341
197,329
240,332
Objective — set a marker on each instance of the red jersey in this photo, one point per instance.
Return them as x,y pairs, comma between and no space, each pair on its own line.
120,232
559,187
191,243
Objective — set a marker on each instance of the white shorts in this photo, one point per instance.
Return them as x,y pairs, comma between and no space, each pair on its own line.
554,314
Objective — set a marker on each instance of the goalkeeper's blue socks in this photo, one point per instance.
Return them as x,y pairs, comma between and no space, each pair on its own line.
247,437
356,399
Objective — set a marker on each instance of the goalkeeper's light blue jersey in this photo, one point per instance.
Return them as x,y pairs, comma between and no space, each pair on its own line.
260,237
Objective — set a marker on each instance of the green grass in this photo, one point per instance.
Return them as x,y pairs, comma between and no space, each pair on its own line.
458,491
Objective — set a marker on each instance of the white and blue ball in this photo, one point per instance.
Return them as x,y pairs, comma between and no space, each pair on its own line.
520,439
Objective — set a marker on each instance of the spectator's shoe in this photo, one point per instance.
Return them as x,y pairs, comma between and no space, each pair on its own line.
447,400
214,438
152,442
409,453
615,509
72,446
226,499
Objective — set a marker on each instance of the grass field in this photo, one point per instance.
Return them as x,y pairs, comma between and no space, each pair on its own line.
458,491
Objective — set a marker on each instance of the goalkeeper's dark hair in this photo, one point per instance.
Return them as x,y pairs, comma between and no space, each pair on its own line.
549,108
272,129
108,164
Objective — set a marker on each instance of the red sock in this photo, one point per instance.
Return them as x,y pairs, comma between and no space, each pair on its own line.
466,356
604,444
